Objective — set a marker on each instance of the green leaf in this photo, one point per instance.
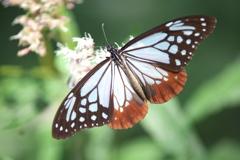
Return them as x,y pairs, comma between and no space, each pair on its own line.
220,92
168,126
148,150
225,150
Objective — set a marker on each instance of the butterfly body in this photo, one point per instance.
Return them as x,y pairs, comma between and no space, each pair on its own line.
120,60
148,68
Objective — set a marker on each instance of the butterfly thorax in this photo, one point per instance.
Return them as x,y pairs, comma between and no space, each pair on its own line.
115,56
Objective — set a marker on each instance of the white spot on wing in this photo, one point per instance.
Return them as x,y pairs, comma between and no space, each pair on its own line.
70,95
65,103
171,38
93,117
188,41
128,95
187,33
147,41
82,110
178,62
84,102
156,55
163,72
165,79
73,124
121,109
178,22
149,80
173,49
197,34
183,52
162,45
104,115
181,27
104,87
158,82
93,96
93,107
73,116
81,119
92,81
169,24
115,103
119,87
179,39
69,107
147,69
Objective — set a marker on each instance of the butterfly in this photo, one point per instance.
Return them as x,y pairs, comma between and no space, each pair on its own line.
148,68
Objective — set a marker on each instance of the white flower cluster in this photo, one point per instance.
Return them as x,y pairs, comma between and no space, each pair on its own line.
40,15
82,59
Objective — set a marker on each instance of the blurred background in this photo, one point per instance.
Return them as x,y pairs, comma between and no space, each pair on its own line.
201,123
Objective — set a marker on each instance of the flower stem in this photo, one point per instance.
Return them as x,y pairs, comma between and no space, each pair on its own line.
71,25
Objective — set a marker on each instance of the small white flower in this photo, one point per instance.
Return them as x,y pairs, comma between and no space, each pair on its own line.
82,59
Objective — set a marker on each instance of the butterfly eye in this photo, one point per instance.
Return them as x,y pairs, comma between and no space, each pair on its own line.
148,68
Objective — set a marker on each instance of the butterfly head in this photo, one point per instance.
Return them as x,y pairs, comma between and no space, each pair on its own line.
111,49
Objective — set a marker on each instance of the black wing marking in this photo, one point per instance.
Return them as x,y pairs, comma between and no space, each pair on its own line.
89,103
172,44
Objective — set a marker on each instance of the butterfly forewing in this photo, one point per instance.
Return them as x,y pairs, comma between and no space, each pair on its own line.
88,104
172,44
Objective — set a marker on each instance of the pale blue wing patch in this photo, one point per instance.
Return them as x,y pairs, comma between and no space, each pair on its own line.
88,104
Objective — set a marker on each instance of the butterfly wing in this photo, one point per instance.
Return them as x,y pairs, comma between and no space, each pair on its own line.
129,107
103,96
158,56
88,104
171,45
159,85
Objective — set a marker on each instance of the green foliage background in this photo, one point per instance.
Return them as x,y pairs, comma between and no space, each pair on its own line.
202,123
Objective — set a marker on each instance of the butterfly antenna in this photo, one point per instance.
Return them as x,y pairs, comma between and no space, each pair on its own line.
104,34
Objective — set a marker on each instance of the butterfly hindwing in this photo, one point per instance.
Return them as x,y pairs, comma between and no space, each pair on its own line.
159,85
129,107
88,104
172,44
